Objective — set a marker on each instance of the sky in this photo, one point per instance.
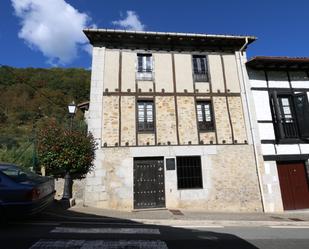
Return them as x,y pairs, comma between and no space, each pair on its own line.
48,33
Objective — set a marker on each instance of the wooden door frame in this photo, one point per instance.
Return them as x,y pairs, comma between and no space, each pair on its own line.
163,165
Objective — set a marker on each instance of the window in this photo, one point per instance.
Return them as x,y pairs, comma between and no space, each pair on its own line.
291,113
145,115
200,71
189,172
144,67
204,116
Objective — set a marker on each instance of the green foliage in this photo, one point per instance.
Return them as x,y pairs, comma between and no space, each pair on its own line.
61,150
29,97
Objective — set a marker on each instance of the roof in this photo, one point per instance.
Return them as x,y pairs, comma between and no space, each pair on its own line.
277,62
164,40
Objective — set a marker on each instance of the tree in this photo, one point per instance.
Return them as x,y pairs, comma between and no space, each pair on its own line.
65,153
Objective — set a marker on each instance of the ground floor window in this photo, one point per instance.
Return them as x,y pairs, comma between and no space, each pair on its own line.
189,172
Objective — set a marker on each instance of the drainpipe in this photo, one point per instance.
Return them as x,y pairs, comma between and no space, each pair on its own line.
252,130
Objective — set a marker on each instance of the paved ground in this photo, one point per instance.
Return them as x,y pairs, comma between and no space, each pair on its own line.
89,228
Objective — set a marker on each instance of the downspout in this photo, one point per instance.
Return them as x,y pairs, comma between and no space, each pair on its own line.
252,130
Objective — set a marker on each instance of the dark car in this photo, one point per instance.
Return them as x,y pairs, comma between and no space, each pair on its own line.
23,192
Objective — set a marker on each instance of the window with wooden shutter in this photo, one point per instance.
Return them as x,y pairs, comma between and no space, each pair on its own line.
200,70
204,116
145,115
291,115
302,112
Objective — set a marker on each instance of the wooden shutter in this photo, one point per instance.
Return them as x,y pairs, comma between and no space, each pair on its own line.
302,113
277,119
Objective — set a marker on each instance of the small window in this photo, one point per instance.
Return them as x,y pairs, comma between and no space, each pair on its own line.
204,116
145,116
144,67
189,172
200,71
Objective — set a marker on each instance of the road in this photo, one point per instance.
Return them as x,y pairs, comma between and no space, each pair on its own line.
57,233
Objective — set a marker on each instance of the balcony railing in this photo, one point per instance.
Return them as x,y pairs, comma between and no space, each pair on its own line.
200,77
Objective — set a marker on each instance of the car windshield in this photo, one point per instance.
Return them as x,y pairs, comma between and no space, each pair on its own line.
18,174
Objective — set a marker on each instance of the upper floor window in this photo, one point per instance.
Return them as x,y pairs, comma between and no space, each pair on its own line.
200,70
145,115
144,67
204,116
291,115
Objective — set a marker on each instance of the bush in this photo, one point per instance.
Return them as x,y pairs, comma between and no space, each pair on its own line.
61,151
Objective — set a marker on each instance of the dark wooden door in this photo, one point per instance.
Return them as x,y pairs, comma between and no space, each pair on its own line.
149,183
294,185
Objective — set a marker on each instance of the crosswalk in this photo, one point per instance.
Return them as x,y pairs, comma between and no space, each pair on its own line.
100,243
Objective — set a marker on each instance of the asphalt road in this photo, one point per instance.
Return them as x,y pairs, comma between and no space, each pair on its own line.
59,233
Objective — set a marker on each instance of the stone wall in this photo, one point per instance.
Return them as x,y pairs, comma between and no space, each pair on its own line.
128,121
187,120
229,181
78,190
237,118
223,127
166,120
110,133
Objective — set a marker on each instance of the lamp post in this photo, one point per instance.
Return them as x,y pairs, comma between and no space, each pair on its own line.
68,181
72,110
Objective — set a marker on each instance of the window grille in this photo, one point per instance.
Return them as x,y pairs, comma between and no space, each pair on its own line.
189,172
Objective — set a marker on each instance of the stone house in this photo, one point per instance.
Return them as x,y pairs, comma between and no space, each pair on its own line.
170,116
279,98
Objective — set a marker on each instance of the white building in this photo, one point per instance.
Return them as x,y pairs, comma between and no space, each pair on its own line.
279,91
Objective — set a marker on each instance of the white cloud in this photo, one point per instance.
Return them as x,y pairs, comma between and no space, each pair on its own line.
53,27
130,22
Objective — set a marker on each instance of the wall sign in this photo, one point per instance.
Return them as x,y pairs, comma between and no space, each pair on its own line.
170,163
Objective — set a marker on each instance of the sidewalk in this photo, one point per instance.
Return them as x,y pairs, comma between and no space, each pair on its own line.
184,217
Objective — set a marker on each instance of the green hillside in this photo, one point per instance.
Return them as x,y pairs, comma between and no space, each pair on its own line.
31,96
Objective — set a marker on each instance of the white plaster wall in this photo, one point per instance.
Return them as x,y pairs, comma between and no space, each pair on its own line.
232,80
299,79
257,78
262,108
287,149
216,73
278,79
128,71
300,84
266,131
268,149
304,148
111,70
164,72
183,71
271,186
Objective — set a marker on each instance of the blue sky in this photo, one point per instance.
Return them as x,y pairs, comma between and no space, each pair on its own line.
45,33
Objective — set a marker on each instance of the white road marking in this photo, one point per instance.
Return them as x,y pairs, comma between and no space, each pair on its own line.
102,244
201,226
299,227
105,230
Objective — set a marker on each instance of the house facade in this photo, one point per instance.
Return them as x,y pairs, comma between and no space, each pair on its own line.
279,93
170,115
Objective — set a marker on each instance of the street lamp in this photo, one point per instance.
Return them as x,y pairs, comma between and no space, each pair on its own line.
68,181
72,110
